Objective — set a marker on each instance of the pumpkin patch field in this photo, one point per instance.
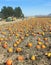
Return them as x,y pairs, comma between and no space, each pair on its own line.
27,42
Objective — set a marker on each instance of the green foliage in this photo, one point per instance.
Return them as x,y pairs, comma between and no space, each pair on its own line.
1,15
9,12
18,12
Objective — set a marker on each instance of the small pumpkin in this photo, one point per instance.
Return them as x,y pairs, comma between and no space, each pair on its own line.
20,58
9,62
10,50
38,47
50,28
49,32
34,34
17,35
18,49
5,45
43,33
40,43
3,33
14,44
39,33
17,42
22,38
1,39
29,45
49,54
46,53
39,39
43,46
45,39
33,57
26,34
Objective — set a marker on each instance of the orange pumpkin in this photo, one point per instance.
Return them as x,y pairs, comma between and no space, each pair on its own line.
45,39
38,47
34,34
39,39
29,45
18,49
20,58
39,33
50,28
26,34
5,45
22,38
17,42
43,46
9,62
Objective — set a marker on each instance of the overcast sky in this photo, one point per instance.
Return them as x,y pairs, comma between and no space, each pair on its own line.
29,7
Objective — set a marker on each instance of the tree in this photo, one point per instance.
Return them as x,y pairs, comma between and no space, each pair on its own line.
10,11
3,11
18,12
1,15
7,11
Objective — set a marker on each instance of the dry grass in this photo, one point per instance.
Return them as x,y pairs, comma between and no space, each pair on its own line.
12,32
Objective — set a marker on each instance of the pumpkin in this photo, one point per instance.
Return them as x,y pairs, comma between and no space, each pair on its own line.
20,58
46,53
50,28
43,33
18,49
17,42
39,39
49,32
29,45
3,33
5,45
39,33
17,35
9,62
1,39
34,34
14,44
38,47
45,39
49,54
22,38
43,46
10,50
0,43
26,34
33,57
40,43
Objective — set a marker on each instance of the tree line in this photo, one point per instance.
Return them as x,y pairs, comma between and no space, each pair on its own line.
9,12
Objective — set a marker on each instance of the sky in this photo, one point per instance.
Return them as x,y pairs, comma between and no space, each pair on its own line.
29,7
